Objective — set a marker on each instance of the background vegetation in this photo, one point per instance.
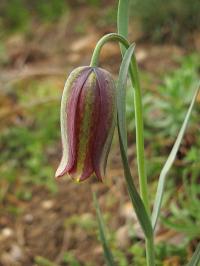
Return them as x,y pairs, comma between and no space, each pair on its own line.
41,38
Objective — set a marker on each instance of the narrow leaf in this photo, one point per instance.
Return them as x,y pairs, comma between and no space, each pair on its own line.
107,253
122,20
169,162
195,260
121,94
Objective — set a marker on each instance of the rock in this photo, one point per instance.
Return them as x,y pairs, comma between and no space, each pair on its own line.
16,253
28,218
98,250
13,257
128,213
47,204
138,231
5,234
141,55
122,237
130,217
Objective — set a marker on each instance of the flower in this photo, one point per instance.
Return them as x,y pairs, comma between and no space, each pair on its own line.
88,118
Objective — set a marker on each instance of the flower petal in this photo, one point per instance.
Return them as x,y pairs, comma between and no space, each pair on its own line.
83,167
73,86
106,121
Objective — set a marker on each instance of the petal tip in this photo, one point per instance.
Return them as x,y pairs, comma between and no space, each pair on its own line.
59,172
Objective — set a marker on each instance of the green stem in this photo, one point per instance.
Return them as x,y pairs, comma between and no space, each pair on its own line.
139,128
122,20
139,133
150,256
122,24
140,153
106,38
138,110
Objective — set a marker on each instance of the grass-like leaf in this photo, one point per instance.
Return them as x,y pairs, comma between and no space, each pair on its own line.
107,253
121,97
169,162
195,260
122,20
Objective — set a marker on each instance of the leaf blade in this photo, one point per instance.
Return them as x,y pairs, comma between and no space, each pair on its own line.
169,162
107,252
121,94
195,257
123,20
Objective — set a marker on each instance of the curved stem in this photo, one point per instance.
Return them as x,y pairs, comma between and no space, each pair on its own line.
106,38
139,127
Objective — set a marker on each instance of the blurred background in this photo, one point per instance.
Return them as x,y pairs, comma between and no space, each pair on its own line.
49,223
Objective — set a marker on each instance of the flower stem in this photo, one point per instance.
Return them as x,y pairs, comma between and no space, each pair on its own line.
122,24
150,256
139,128
139,133
140,154
106,38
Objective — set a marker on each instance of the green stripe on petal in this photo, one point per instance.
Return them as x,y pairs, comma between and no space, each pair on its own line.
85,127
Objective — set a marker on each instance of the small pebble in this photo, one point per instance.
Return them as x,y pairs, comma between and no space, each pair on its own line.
122,237
7,232
47,204
28,218
16,253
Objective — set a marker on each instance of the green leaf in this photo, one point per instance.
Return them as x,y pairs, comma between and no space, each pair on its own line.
122,20
195,258
107,253
121,95
187,227
169,162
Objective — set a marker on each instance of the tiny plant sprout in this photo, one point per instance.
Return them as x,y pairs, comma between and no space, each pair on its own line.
88,119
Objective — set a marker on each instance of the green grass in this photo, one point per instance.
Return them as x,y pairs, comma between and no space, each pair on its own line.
164,111
185,210
29,147
135,255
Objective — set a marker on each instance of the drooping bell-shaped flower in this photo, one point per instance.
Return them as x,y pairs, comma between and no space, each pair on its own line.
88,118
